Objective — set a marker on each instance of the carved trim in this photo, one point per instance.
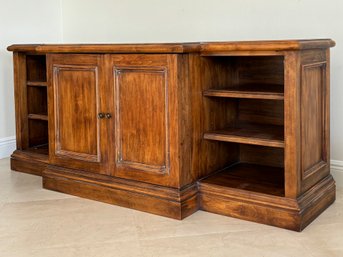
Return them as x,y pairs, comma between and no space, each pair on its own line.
323,161
64,153
164,169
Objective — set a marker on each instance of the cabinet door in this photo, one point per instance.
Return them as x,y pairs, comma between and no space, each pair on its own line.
77,94
145,117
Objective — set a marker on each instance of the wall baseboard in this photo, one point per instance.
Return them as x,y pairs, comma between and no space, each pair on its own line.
337,172
7,146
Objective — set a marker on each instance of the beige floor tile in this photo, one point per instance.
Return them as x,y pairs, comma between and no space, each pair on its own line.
38,222
113,249
63,223
152,227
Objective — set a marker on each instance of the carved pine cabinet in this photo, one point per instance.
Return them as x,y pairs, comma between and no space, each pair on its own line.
235,128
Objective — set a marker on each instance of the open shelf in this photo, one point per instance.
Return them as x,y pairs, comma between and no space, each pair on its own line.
250,91
33,116
36,68
243,105
254,134
37,83
249,177
37,105
39,149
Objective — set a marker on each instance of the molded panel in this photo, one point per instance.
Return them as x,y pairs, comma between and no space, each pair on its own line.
76,105
313,109
142,132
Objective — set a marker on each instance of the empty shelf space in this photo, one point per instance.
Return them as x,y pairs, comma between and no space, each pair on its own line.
252,91
37,83
33,116
265,135
39,149
249,177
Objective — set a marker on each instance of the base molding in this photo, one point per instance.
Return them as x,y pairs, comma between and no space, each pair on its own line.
28,162
168,202
293,214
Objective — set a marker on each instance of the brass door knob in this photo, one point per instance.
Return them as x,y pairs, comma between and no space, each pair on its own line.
101,115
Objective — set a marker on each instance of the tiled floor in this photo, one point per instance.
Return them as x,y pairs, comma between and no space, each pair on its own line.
37,222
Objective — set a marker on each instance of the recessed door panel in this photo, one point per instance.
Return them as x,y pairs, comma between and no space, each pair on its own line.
142,109
77,104
314,123
145,135
76,96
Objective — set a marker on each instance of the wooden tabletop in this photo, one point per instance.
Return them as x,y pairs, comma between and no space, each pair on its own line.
201,47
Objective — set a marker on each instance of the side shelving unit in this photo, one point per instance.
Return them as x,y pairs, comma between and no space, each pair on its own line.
37,104
251,94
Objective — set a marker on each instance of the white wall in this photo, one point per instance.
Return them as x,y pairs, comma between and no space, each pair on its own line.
21,22
171,21
203,20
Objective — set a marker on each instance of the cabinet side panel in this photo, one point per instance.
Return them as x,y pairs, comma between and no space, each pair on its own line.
20,96
314,118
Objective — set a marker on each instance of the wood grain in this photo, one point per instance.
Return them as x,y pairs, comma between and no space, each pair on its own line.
77,138
137,142
145,98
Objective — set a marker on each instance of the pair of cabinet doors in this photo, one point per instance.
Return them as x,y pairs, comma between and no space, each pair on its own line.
114,114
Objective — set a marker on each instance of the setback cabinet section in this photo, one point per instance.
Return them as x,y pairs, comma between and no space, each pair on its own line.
115,115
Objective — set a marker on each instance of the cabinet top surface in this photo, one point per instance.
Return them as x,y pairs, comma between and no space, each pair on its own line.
199,47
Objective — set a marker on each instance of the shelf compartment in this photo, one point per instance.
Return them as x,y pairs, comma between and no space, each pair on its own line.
250,91
37,132
253,134
37,83
36,68
39,149
249,177
33,116
37,100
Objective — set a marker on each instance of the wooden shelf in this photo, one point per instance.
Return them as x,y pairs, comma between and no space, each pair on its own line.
33,116
249,177
252,91
37,83
253,134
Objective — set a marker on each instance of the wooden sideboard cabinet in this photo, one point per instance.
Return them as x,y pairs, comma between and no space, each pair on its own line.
235,128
